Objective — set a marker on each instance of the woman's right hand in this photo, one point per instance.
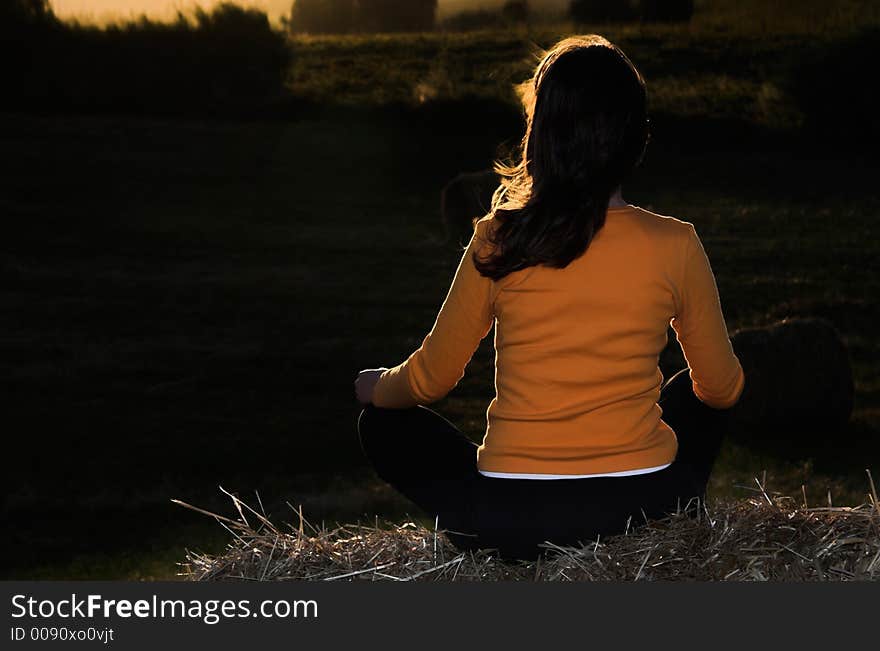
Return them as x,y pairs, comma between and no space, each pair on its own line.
365,383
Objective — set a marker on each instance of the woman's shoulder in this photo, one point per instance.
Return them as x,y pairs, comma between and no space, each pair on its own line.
485,222
662,220
668,227
483,229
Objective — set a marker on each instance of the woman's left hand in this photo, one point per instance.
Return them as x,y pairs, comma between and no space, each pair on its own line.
366,382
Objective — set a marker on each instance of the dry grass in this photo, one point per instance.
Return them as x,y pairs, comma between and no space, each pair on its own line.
763,538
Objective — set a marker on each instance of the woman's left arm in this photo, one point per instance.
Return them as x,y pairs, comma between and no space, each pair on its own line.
465,318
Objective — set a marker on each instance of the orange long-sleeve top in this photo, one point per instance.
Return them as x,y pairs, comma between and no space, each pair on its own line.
576,349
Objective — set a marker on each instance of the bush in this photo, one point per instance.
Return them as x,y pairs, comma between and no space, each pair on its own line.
240,55
29,34
228,58
18,14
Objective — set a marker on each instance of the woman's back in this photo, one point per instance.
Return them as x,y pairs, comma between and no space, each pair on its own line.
576,370
577,350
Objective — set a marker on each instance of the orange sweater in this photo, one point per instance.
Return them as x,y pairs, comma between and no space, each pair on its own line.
576,349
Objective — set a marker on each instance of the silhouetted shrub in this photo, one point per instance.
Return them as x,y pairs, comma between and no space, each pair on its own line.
18,14
834,88
241,55
29,34
666,11
343,16
228,58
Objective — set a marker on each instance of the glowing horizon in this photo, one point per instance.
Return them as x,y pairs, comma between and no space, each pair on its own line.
107,10
100,11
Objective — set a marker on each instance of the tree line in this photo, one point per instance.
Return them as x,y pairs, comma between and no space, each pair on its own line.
349,16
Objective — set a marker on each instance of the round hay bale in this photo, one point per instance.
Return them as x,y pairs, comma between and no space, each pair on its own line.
798,381
465,198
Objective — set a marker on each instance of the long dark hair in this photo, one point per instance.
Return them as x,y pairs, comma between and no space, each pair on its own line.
586,131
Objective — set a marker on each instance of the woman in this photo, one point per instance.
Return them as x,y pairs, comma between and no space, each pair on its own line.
581,441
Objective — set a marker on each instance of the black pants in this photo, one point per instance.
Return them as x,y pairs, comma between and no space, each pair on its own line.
427,459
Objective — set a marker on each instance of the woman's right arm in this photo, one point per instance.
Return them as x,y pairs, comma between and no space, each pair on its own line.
464,319
715,370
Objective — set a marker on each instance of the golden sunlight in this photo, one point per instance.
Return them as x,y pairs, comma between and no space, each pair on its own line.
107,10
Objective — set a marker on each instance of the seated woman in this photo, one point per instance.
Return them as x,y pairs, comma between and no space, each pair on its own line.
581,440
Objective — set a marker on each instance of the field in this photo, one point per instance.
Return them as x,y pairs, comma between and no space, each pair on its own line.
186,302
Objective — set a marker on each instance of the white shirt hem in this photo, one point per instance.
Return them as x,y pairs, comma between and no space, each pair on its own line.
527,475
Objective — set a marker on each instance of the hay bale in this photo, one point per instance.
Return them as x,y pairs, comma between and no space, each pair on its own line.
798,381
465,198
759,539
